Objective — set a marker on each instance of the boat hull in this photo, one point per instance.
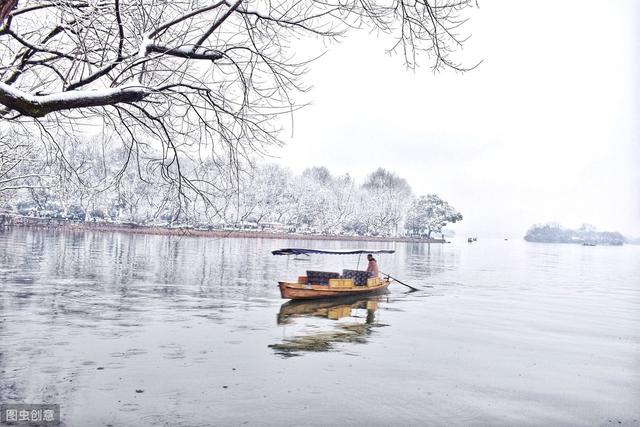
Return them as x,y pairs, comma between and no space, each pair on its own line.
298,291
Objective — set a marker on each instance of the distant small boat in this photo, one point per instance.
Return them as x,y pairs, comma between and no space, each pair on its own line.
588,244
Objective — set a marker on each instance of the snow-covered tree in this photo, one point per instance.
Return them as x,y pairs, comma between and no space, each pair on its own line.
313,189
19,166
323,202
180,82
266,195
385,201
429,214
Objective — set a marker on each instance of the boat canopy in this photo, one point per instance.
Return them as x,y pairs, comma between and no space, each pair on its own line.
299,251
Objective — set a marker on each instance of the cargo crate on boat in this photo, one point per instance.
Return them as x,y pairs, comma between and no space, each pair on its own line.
340,283
374,281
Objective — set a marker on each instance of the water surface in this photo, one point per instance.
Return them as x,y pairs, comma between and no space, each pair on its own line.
164,330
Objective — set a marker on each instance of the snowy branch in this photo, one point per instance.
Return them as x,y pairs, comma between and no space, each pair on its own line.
185,84
41,105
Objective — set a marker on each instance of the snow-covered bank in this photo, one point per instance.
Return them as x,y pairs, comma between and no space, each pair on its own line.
11,220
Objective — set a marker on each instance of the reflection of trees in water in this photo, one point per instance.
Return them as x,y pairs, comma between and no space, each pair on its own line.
354,332
98,275
7,387
83,275
429,259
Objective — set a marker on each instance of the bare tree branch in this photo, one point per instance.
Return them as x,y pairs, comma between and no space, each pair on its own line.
186,86
41,105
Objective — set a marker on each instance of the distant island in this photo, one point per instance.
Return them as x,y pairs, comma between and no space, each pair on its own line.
586,234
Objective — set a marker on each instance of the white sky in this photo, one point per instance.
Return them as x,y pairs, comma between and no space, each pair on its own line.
544,130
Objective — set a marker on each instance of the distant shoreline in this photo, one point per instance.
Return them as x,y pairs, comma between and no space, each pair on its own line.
12,220
586,235
550,242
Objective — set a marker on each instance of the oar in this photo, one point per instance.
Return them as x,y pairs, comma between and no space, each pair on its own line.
400,281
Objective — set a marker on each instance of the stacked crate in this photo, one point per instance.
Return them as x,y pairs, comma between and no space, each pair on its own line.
374,281
341,283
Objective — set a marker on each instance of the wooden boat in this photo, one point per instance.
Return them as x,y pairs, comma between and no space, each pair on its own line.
323,285
303,290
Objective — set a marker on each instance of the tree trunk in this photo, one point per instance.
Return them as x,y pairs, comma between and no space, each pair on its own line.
6,6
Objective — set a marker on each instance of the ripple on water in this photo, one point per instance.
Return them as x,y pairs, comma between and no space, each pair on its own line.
557,327
129,353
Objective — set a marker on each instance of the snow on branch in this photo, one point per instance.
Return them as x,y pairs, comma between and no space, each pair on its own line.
41,105
187,52
187,81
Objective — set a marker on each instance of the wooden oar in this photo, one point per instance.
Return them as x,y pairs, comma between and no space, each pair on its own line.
400,281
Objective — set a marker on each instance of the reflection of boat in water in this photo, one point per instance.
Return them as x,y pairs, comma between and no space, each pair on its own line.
351,331
324,284
333,309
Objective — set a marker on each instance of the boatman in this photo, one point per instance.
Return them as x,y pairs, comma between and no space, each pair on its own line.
372,268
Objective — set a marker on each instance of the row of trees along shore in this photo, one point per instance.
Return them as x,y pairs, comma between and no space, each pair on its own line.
181,96
587,234
263,196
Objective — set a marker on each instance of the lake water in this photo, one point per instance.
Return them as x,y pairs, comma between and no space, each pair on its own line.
141,330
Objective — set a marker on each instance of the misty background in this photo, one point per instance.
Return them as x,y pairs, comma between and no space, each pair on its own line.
543,130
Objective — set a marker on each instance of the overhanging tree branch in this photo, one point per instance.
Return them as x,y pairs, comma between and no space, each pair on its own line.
189,85
41,105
